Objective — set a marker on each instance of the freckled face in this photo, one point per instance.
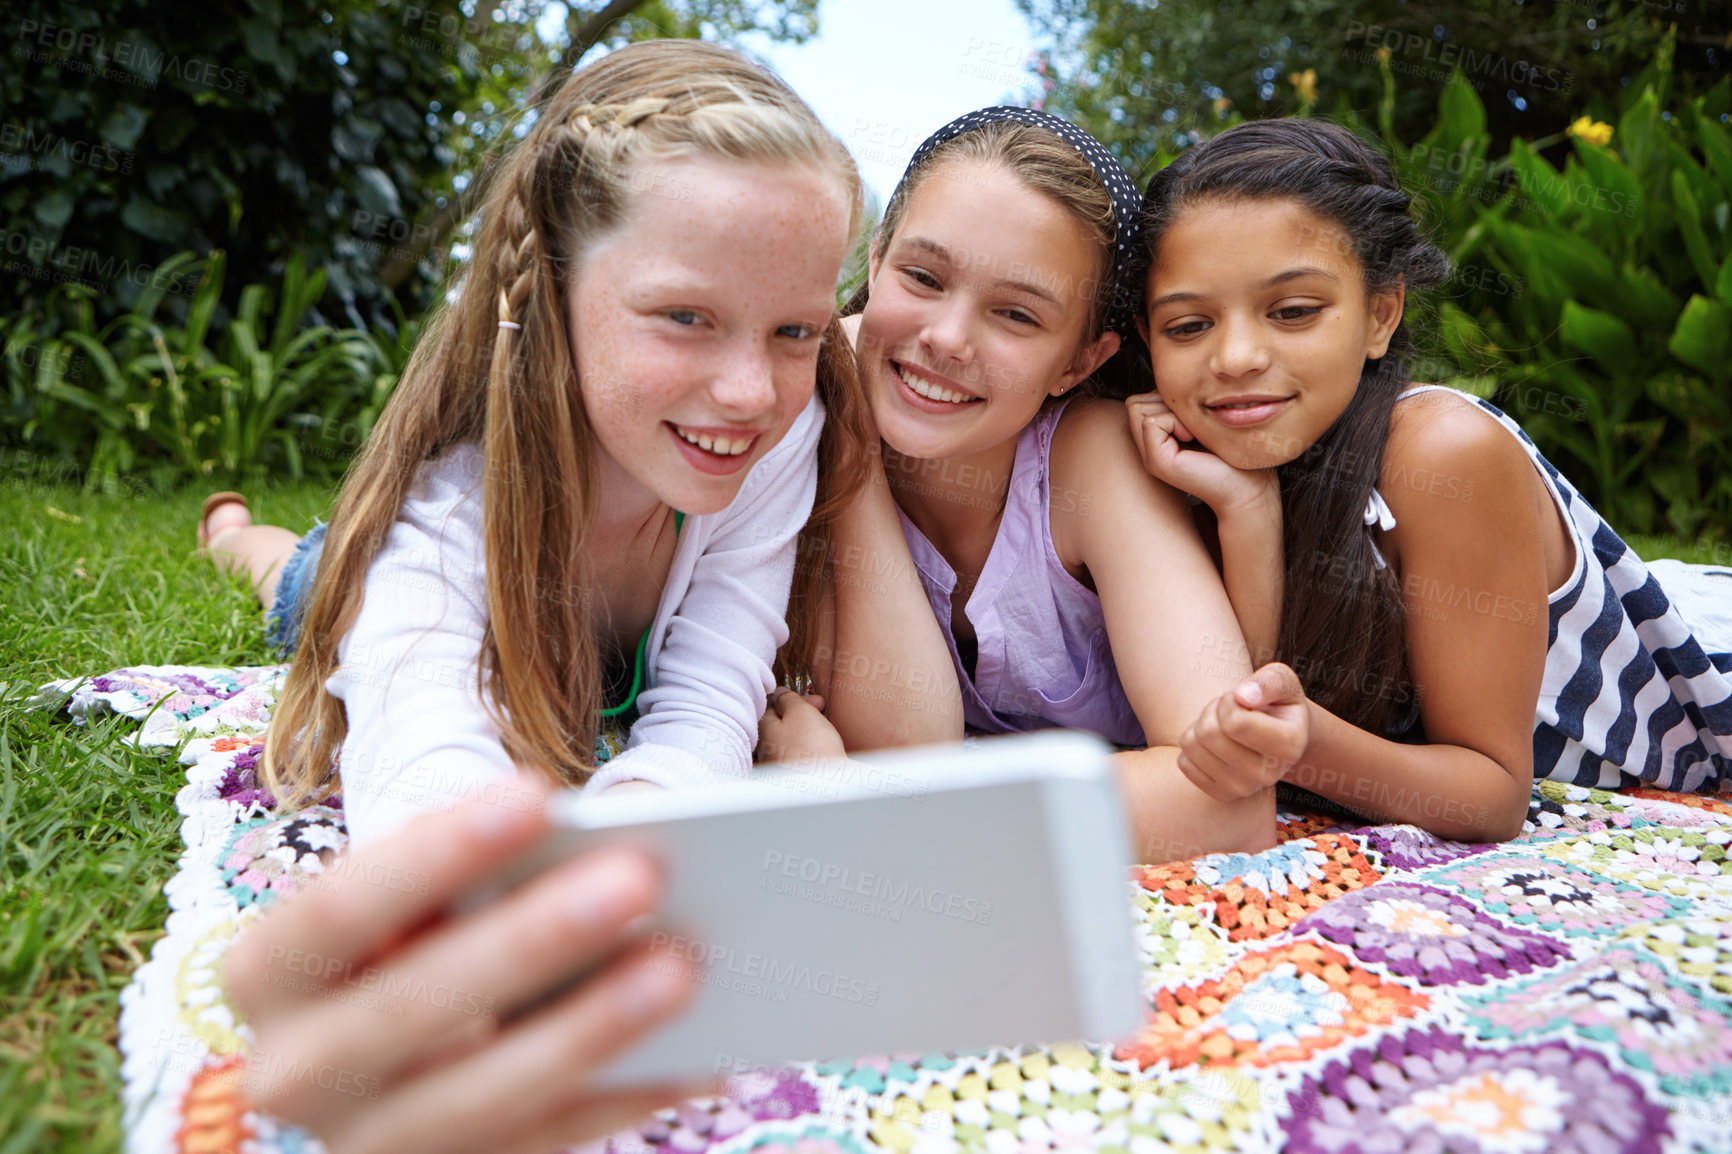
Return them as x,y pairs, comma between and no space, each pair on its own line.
696,323
977,308
1258,326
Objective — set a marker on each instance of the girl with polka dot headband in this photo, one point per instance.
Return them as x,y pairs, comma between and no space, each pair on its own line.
1012,566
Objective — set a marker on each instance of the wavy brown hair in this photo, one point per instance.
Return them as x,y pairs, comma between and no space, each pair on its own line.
564,184
1343,624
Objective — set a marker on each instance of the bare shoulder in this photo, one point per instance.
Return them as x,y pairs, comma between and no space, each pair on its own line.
1097,476
1446,457
1092,448
1089,426
1440,412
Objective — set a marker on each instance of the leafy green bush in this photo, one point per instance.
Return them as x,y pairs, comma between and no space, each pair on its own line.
356,133
1594,302
182,401
133,130
1144,76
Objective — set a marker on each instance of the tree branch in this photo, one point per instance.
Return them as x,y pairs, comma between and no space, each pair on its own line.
584,36
586,32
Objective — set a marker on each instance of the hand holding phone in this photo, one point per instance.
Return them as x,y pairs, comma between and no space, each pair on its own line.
944,898
379,1022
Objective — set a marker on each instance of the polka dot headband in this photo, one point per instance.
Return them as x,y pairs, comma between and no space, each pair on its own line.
1127,201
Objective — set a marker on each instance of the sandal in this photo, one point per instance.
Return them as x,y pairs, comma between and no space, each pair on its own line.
212,503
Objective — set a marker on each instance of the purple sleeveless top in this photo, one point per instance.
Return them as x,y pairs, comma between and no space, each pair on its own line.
1043,658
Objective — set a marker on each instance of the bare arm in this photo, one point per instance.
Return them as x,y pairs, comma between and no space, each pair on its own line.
1452,790
1252,568
1174,636
1473,575
891,678
1173,819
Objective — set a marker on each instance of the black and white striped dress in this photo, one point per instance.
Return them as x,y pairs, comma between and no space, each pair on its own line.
1633,693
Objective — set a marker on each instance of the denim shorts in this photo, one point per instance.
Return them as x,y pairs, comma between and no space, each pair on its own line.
295,592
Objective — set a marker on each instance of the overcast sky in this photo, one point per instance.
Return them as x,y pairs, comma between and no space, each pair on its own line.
883,74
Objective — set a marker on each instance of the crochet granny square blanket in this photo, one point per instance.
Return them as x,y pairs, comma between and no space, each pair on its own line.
1357,988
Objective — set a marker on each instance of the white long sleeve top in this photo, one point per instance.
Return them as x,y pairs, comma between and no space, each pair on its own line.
419,737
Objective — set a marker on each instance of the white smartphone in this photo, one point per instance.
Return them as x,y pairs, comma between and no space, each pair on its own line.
945,898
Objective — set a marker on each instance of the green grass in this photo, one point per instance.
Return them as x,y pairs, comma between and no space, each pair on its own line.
1695,552
88,829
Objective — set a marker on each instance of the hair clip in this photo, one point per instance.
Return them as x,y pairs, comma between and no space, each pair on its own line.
509,325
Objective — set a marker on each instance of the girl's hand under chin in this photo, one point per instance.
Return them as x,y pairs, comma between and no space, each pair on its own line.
1160,437
1247,740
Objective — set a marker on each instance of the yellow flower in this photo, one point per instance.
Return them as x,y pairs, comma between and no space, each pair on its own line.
1383,54
1305,84
1221,105
1591,130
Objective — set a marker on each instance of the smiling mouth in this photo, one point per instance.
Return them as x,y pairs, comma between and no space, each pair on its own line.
1244,412
719,445
923,388
1250,403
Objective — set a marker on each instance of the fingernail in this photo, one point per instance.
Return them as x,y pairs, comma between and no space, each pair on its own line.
609,894
653,990
492,821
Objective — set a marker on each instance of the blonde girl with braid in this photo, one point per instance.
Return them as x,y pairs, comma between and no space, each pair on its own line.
581,503
587,489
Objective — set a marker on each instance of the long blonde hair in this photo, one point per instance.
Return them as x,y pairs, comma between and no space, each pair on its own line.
514,392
